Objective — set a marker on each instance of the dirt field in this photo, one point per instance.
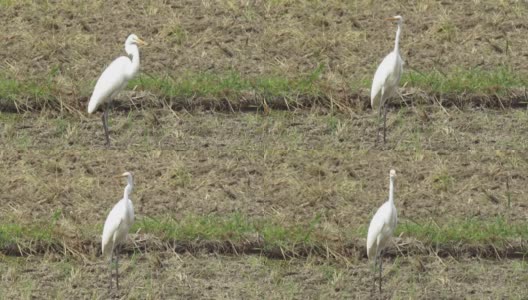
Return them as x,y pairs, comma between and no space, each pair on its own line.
261,37
166,275
288,167
295,164
65,47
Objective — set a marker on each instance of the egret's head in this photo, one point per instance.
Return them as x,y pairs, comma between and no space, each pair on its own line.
134,40
130,183
392,173
128,175
398,19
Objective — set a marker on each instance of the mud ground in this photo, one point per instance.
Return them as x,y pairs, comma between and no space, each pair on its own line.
288,165
70,43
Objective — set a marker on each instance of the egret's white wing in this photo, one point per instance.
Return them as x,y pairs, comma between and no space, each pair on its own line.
383,72
376,228
113,79
112,223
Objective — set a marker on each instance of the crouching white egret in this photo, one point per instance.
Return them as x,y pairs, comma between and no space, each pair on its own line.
116,226
115,78
387,78
381,228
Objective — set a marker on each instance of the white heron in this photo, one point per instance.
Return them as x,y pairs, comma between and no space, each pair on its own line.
116,226
381,228
387,78
115,78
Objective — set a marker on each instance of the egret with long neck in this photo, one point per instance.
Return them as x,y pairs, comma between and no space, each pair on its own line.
114,79
116,226
387,78
381,228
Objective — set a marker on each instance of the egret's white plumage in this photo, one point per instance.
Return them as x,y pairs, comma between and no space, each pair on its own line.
114,79
117,224
382,226
387,76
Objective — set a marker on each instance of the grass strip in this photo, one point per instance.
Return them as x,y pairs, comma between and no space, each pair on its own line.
310,88
236,228
231,85
477,80
474,231
13,90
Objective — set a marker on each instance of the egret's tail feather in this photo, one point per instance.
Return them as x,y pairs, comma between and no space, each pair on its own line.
92,106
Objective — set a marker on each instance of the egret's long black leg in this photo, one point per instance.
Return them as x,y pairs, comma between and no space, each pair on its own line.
105,125
381,104
372,291
117,270
111,275
378,125
384,121
381,267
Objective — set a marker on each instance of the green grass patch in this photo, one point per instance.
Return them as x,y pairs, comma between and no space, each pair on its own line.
470,231
17,233
230,85
13,90
476,80
8,3
234,228
13,233
238,228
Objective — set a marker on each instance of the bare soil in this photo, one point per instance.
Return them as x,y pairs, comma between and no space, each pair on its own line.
288,166
70,43
455,165
155,275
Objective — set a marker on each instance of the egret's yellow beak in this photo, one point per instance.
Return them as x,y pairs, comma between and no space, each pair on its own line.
391,19
121,176
141,42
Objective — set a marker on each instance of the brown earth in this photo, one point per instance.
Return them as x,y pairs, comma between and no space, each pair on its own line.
74,41
287,166
155,275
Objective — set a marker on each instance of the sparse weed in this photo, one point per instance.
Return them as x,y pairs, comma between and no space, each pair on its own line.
180,177
333,123
175,32
447,30
442,181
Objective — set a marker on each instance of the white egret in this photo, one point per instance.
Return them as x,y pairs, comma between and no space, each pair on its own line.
115,78
116,226
387,78
381,228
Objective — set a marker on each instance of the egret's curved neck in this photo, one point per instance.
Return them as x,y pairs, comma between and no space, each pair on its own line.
397,41
133,50
128,188
391,190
